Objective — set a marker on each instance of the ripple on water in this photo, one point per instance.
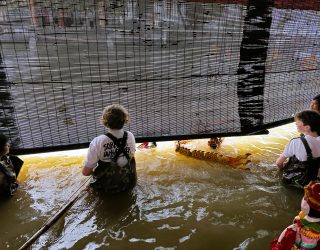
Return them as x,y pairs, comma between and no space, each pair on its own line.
179,202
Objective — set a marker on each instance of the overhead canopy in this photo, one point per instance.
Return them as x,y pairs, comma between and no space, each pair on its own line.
183,69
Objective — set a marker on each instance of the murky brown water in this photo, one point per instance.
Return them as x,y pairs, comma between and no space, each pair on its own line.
179,203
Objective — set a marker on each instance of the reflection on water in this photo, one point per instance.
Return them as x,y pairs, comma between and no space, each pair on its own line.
179,202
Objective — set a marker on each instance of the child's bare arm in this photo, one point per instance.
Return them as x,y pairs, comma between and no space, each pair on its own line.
280,161
86,171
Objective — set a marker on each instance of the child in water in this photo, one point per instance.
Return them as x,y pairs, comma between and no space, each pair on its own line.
304,233
147,145
110,158
315,104
10,166
303,152
215,142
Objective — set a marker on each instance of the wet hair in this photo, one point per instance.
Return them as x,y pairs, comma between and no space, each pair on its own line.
3,141
114,116
311,118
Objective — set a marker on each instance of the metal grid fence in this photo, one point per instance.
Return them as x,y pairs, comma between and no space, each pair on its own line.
183,69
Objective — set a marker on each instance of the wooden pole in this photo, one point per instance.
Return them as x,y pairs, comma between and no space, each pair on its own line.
56,216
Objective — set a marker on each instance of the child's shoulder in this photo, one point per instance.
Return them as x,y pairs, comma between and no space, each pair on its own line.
129,133
101,137
98,139
296,139
313,139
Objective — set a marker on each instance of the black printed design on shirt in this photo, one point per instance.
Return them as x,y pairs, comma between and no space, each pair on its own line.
110,150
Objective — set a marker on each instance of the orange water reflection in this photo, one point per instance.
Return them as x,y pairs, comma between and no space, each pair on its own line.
179,202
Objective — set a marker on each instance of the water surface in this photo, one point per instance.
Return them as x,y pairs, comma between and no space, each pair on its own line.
179,202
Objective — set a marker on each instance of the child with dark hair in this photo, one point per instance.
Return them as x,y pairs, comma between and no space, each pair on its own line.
303,152
110,158
315,103
215,142
304,233
10,166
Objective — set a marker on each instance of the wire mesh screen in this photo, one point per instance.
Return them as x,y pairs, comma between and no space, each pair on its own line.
182,68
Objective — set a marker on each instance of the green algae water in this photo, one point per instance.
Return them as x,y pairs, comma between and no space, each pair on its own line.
179,202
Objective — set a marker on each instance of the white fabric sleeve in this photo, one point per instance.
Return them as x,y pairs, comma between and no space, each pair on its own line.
131,142
289,149
92,155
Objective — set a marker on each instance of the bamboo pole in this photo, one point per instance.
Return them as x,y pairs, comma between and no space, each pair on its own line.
76,195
